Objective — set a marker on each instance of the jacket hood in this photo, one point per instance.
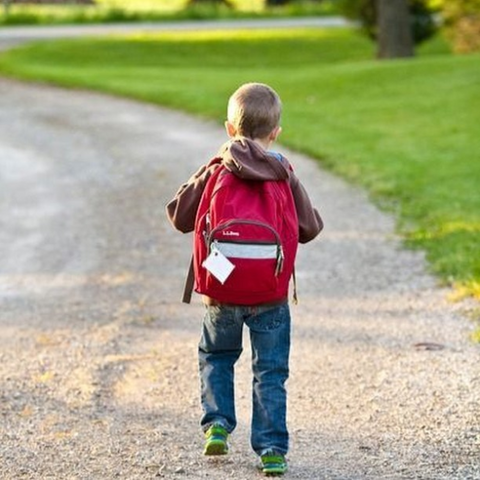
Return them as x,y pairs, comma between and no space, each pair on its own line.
249,161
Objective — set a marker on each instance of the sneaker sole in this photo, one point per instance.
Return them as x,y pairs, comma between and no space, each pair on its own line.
274,471
216,448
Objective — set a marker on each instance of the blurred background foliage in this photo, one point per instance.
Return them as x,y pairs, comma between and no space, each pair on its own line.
459,19
462,21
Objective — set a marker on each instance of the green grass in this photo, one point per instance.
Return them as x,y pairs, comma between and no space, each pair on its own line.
405,130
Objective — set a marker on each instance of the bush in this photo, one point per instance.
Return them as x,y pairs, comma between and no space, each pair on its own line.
462,20
365,11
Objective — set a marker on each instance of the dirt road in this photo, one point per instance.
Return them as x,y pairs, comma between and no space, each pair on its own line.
98,356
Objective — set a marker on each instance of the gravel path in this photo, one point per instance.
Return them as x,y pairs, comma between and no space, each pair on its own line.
11,36
98,356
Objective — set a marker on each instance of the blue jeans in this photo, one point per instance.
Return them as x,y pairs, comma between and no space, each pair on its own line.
219,349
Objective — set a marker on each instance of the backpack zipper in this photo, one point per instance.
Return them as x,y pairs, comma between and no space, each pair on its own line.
280,256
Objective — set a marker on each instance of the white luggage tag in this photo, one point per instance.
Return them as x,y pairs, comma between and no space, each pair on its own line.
218,265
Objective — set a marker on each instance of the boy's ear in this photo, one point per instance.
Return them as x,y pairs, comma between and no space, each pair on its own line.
275,133
230,128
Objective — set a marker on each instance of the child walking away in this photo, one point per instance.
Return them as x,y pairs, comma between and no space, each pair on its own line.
248,211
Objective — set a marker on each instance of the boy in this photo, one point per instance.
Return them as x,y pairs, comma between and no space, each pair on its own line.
253,125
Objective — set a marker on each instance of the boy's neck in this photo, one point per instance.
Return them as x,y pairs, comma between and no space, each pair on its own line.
263,143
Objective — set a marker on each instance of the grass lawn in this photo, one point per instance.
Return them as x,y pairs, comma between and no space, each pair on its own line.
406,130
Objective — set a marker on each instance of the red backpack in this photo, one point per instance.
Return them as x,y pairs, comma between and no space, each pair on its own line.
251,228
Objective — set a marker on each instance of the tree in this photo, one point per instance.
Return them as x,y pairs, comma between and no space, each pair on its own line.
6,7
395,37
420,18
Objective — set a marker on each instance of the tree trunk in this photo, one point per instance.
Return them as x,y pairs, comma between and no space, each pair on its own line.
6,7
394,29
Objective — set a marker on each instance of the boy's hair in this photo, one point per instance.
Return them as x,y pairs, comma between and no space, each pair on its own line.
254,110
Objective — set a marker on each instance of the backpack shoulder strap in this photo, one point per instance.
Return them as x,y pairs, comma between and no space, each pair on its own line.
189,282
190,279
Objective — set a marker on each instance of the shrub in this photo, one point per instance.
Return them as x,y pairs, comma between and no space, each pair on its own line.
462,20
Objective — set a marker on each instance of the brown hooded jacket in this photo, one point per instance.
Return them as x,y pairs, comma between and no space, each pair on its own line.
249,161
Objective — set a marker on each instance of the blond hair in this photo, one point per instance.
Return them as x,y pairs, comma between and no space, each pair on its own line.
254,110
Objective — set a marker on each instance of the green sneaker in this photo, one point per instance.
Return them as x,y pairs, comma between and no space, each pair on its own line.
216,440
273,463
